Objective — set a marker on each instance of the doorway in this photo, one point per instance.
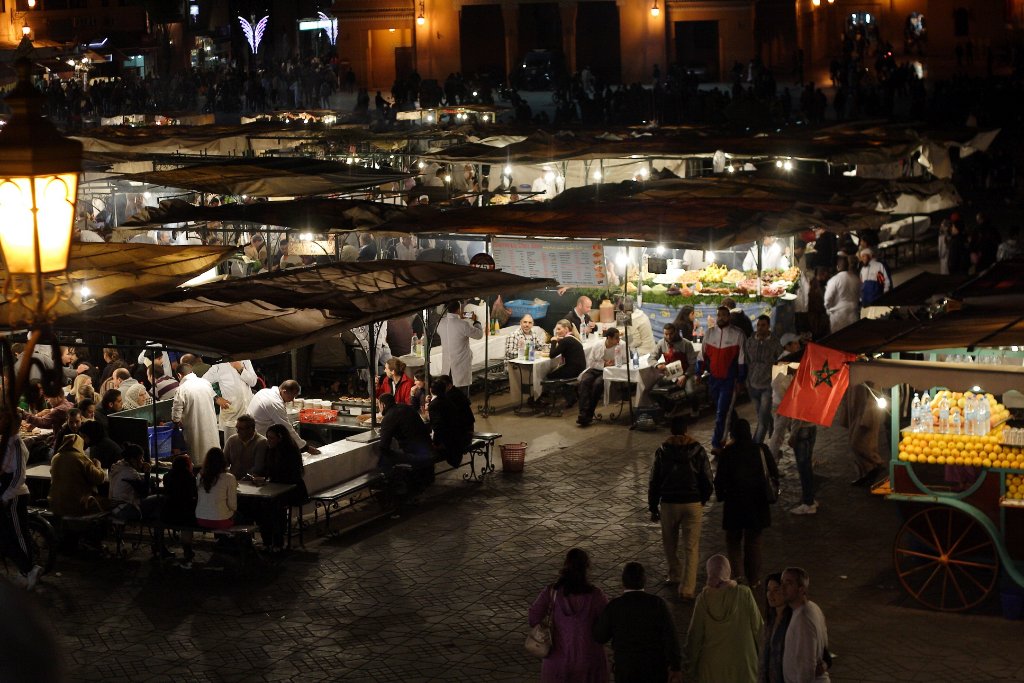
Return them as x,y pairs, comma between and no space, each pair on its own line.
697,48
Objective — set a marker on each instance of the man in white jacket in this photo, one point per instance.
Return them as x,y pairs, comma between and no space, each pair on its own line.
807,635
456,356
193,410
235,381
268,408
842,295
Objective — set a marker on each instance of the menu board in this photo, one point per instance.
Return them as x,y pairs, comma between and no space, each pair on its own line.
571,263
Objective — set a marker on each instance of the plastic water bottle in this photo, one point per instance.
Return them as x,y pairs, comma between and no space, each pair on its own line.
415,345
915,413
522,348
943,415
984,415
926,413
954,424
635,360
529,348
970,415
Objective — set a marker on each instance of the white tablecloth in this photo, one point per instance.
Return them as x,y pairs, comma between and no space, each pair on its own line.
645,378
336,463
494,344
535,371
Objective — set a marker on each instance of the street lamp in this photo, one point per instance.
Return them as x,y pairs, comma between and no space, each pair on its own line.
39,171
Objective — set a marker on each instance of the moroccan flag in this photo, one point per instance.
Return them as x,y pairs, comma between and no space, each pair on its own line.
819,385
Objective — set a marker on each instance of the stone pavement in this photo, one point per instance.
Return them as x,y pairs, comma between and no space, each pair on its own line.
441,594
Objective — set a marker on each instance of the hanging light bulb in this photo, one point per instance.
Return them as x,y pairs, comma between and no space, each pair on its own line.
655,10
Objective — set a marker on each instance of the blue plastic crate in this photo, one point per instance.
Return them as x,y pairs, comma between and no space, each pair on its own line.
521,307
164,440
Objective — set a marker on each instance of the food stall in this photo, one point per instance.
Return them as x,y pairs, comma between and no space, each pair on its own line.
957,450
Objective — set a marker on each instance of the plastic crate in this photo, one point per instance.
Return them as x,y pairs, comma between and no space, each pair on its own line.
317,415
521,307
162,449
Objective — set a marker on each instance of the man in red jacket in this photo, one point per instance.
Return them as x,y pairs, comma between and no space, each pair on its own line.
723,358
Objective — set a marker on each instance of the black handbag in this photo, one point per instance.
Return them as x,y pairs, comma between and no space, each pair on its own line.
772,487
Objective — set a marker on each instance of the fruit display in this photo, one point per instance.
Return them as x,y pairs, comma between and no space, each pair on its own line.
1015,487
720,280
955,428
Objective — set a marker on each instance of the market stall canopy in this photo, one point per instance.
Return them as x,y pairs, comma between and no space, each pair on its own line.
125,272
884,373
270,177
312,214
268,314
969,327
918,290
214,140
848,143
648,212
1003,279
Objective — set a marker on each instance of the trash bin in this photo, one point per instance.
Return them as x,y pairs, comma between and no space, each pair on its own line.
513,456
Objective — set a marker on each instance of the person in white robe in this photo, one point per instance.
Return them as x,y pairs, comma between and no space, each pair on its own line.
193,411
235,381
842,297
456,356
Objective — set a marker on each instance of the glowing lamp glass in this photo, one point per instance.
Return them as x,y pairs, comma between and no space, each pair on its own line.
53,204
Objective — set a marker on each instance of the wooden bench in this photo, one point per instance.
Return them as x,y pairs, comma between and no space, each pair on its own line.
237,532
482,446
330,498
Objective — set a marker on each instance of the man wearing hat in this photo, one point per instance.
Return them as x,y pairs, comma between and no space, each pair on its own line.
874,277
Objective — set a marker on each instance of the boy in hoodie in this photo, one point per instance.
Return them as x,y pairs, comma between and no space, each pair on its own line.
129,483
679,487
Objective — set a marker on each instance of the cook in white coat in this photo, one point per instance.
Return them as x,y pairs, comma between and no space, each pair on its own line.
268,408
455,332
193,411
235,380
842,297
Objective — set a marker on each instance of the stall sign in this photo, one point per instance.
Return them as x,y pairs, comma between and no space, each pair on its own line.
574,263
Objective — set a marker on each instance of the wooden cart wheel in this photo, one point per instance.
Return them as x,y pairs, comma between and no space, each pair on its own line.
945,560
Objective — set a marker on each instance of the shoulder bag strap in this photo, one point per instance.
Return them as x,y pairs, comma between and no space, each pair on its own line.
764,464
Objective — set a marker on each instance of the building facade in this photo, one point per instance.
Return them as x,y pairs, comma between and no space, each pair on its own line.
622,41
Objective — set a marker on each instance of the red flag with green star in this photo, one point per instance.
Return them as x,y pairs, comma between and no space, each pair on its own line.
819,385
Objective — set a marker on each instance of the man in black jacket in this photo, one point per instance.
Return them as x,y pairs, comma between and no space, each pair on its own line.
451,419
404,438
679,487
642,633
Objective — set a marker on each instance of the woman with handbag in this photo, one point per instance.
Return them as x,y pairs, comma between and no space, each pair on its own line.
571,606
746,481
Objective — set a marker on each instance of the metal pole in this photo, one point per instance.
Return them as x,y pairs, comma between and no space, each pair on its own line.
371,355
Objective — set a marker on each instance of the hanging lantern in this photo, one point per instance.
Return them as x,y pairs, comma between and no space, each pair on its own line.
39,171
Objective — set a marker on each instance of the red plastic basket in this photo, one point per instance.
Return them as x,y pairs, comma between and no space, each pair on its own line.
317,415
513,456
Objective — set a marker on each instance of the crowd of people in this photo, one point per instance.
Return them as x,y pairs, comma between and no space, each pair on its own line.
729,637
95,468
306,84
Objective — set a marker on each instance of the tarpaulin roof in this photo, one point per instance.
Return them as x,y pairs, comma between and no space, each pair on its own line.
130,271
884,373
963,328
270,177
847,143
275,312
1004,278
919,289
313,214
673,213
